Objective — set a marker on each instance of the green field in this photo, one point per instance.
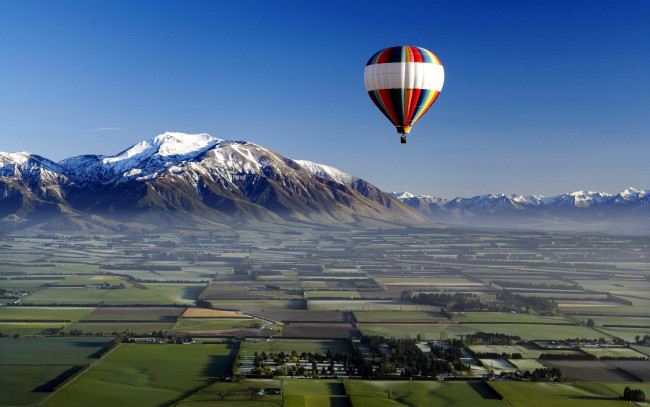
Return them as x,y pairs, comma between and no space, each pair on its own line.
526,364
44,313
359,305
242,394
94,296
71,350
28,384
149,314
119,327
30,328
211,324
145,375
333,294
364,393
426,331
507,317
400,315
314,393
32,367
613,352
526,394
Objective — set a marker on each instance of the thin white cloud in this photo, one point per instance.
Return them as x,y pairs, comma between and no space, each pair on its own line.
107,128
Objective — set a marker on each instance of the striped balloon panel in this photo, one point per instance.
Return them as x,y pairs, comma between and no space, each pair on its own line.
403,107
403,54
404,75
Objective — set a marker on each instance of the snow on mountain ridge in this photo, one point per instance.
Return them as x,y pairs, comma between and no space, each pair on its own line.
327,172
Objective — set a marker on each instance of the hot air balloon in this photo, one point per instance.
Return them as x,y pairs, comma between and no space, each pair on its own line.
403,82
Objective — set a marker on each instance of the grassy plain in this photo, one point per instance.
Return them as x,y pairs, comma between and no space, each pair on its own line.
540,394
145,375
412,393
426,331
44,313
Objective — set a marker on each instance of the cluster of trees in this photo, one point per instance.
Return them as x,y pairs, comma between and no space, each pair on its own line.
453,301
517,302
495,355
107,286
309,365
633,394
479,338
537,286
147,267
543,373
645,341
405,355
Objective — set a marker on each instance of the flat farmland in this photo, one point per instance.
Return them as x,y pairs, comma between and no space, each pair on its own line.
364,393
637,368
71,350
498,365
214,324
526,365
22,385
373,316
540,394
507,317
319,330
529,351
614,352
210,313
235,395
107,328
43,313
94,296
145,375
258,305
333,294
359,305
314,393
160,314
426,331
590,371
303,315
30,328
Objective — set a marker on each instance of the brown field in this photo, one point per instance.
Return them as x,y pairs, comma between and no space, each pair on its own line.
638,368
590,371
210,313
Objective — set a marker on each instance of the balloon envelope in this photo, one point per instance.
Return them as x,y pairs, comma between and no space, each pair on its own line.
403,82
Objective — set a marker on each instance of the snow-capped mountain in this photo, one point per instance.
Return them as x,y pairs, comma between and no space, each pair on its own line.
177,176
575,210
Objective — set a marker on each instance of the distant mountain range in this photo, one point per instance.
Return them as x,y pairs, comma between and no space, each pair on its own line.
184,179
628,211
190,180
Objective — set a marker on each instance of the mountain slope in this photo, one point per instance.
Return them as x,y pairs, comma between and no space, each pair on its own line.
178,178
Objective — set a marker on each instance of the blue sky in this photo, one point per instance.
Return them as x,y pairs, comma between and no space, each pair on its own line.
540,97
